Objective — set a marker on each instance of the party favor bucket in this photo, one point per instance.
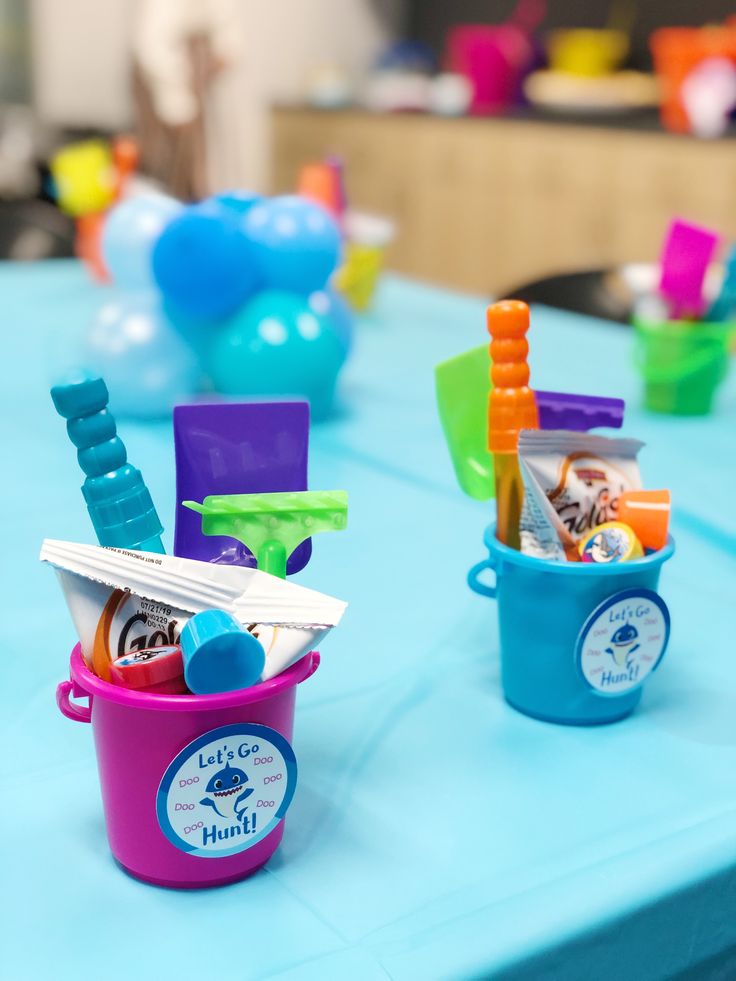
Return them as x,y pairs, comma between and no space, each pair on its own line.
578,639
682,364
194,787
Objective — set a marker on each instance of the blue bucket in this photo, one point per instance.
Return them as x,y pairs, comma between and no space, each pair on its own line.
578,640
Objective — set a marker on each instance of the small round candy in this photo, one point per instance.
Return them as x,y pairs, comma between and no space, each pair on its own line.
613,541
296,242
204,264
157,670
130,231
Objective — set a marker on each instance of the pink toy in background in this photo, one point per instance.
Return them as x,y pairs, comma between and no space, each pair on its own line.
477,51
495,57
688,249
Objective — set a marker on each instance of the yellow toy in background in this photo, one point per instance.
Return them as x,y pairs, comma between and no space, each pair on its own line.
588,53
357,277
89,177
84,177
366,239
365,236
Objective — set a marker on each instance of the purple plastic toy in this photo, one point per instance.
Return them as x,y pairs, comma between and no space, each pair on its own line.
683,263
178,811
237,448
558,410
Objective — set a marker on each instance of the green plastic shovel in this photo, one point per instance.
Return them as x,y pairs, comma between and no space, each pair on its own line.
462,385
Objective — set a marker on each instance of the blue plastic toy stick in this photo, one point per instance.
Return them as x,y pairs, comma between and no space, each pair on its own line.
118,500
724,305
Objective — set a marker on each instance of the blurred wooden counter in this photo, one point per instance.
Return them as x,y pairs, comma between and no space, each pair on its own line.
487,204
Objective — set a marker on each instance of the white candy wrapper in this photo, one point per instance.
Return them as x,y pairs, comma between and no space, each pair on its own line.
572,484
123,600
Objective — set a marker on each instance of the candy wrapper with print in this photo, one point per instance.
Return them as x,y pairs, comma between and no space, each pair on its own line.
572,484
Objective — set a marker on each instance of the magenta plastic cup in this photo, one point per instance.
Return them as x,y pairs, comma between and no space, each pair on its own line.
194,787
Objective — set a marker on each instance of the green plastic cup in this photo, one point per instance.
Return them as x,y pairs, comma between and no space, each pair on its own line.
682,364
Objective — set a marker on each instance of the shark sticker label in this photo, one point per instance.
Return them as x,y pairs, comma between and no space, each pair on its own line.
623,641
226,790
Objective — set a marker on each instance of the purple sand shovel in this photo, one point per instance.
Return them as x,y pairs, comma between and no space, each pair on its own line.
237,448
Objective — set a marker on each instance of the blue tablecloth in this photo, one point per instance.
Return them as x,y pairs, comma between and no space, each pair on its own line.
435,832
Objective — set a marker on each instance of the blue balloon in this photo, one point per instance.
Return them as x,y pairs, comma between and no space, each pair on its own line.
278,346
297,242
146,364
203,262
131,228
329,303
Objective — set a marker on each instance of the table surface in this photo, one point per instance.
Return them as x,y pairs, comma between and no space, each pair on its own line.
435,832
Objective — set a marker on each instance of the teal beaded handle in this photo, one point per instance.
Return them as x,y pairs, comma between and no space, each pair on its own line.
118,501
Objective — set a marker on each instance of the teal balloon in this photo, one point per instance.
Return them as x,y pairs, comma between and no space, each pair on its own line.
130,231
277,345
329,303
147,365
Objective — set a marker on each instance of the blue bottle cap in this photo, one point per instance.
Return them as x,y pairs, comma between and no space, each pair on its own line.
219,654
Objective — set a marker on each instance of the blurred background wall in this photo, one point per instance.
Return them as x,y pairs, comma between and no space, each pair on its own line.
566,172
82,64
15,54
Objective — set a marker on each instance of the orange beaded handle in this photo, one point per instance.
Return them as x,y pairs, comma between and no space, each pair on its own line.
511,403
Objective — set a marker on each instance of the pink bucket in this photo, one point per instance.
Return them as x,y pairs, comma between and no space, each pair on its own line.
194,787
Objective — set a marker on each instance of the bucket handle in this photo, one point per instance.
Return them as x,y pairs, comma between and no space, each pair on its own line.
77,713
484,589
312,666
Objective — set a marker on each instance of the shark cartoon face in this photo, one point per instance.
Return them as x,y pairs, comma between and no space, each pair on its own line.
605,547
623,643
227,792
